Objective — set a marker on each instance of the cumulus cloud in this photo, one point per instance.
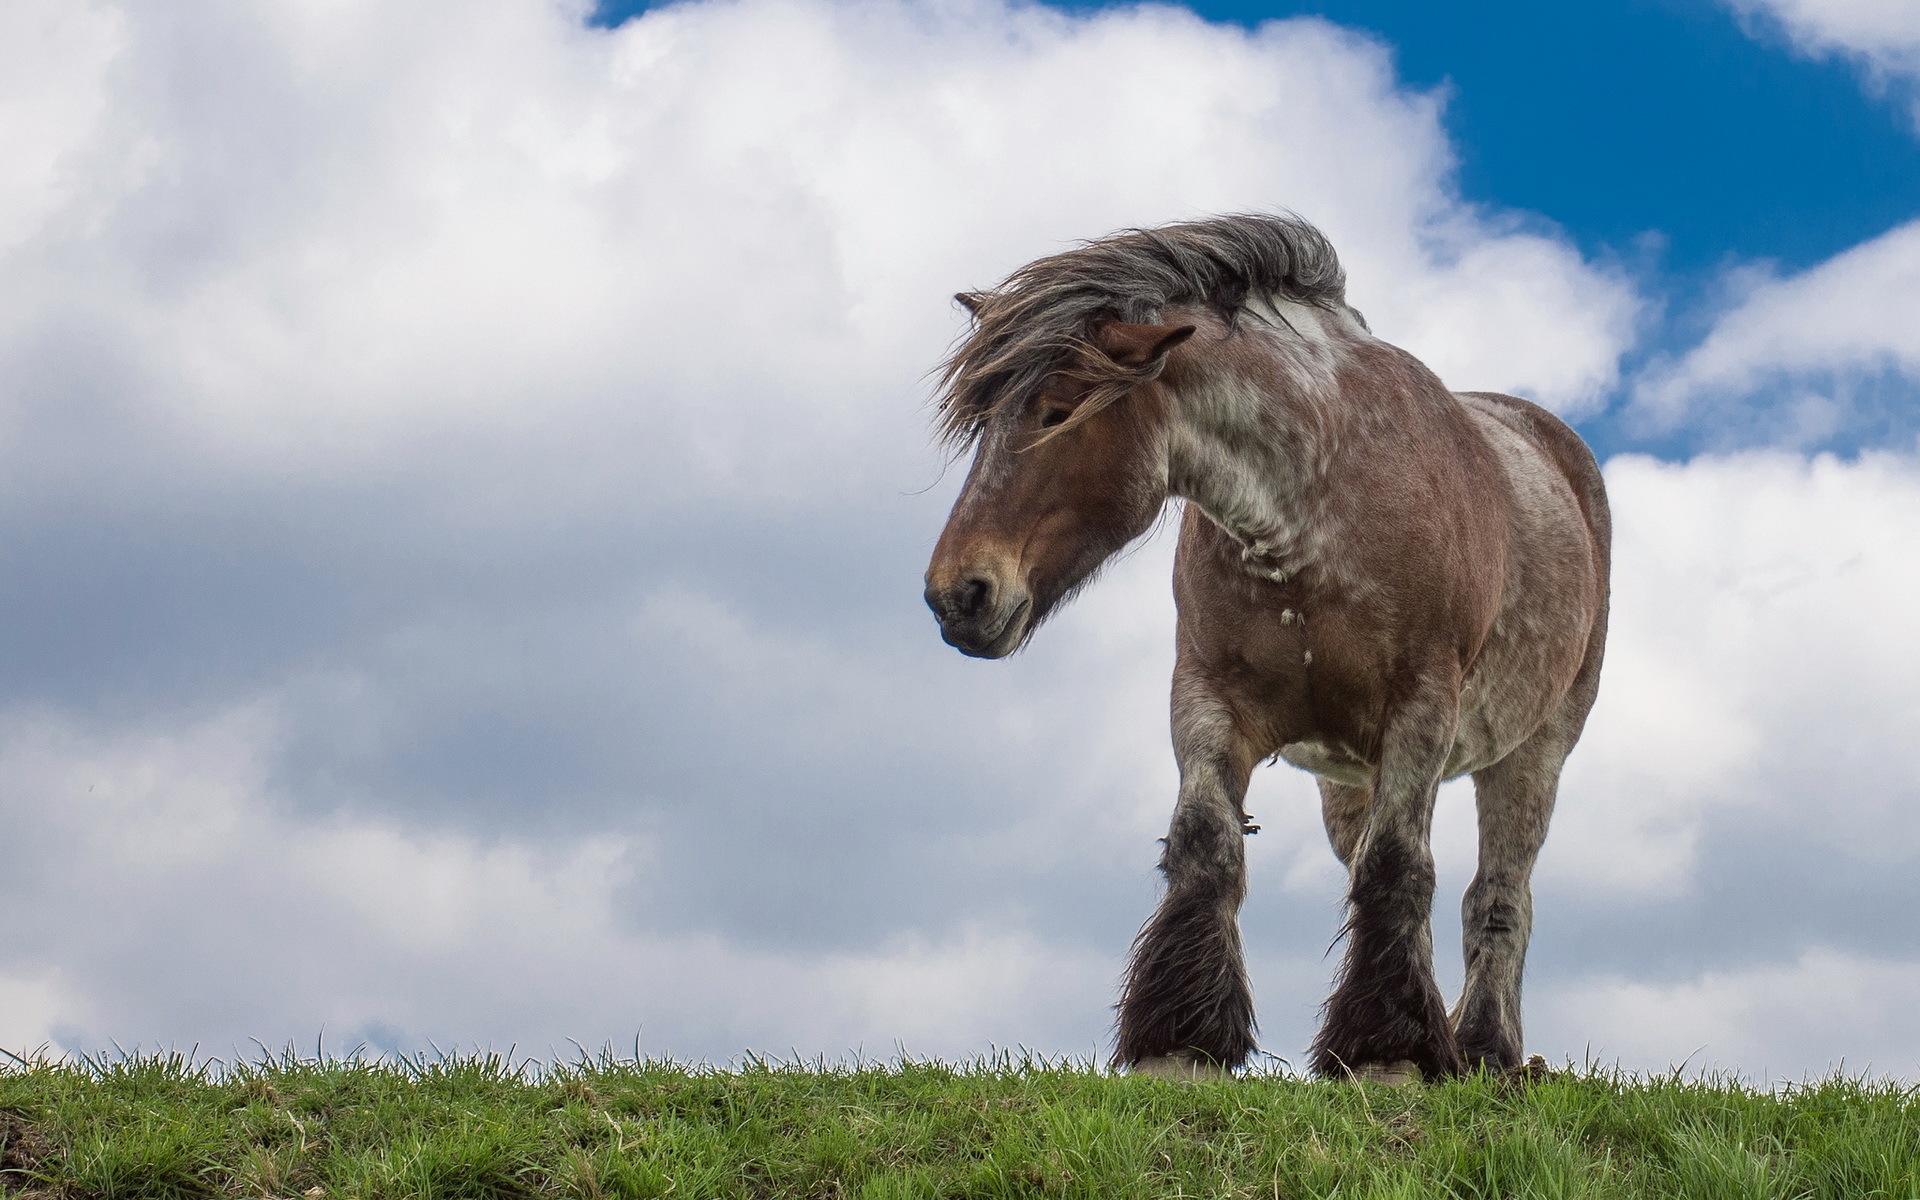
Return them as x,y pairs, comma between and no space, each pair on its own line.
1738,1021
317,240
1884,35
1828,354
1756,595
230,907
1743,807
1824,358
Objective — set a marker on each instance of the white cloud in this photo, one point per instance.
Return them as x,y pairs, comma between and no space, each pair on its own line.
1820,337
179,897
1826,357
1859,1011
1883,34
53,59
297,239
1760,653
30,1007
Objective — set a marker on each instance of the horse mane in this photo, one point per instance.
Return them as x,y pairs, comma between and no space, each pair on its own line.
1032,326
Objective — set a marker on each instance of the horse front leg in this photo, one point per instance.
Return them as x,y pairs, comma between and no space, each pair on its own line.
1187,1007
1386,1013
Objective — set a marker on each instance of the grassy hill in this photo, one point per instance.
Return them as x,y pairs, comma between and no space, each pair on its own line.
481,1127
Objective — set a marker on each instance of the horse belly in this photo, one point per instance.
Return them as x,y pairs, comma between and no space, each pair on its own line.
1328,762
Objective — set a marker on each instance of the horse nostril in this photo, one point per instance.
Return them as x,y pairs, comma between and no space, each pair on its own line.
963,601
972,596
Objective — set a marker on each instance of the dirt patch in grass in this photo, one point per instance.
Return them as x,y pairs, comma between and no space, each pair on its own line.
22,1147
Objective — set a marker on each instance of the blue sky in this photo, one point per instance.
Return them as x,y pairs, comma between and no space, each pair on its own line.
464,487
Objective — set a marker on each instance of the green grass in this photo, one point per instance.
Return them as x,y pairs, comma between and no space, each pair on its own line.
478,1126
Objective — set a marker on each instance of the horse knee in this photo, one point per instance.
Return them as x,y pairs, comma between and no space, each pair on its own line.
1205,847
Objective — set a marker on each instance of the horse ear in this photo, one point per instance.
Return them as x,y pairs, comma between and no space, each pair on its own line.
971,301
1139,345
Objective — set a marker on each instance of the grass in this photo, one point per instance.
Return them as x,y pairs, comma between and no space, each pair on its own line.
167,1127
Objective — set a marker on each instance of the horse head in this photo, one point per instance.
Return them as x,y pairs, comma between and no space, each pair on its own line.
1065,473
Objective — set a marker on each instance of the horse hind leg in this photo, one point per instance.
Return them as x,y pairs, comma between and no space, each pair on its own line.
1515,799
1187,1006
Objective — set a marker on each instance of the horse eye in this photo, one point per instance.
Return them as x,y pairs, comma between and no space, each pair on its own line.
1054,416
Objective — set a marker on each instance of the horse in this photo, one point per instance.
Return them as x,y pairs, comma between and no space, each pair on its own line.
1378,580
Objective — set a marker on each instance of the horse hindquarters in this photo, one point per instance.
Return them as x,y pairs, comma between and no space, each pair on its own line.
1563,532
1187,1001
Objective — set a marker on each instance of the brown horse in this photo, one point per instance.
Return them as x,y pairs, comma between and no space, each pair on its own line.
1381,581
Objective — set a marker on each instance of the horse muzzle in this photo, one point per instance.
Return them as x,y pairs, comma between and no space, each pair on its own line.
978,616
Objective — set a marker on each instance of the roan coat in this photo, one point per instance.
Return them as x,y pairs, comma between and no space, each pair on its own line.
1380,581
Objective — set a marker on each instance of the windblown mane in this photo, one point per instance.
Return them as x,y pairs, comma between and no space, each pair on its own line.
1030,327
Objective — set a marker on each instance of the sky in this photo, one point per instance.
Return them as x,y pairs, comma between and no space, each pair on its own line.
465,481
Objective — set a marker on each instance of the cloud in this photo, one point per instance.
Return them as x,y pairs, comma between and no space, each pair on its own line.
228,906
1737,1020
1884,35
1742,807
948,872
1802,361
1758,653
30,1007
1821,359
316,242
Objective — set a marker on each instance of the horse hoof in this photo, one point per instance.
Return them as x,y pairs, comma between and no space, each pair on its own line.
1180,1067
1393,1074
1533,1070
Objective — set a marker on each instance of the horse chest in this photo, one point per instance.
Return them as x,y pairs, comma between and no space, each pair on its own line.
1302,689
1487,731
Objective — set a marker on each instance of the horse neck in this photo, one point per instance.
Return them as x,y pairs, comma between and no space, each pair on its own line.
1254,425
